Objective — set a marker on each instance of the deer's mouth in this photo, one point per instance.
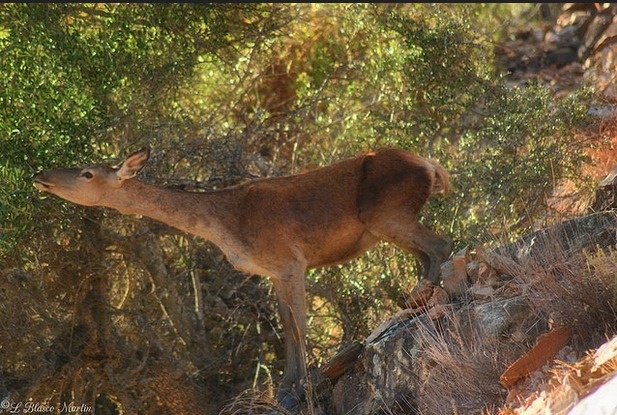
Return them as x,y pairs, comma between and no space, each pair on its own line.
41,184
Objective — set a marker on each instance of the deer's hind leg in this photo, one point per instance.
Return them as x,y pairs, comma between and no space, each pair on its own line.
429,248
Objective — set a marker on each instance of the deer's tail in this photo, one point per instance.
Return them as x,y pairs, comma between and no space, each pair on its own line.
441,184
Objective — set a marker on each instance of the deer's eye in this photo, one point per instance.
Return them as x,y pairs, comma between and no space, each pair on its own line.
87,175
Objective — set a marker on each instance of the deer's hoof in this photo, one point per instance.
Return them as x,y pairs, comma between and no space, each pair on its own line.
289,400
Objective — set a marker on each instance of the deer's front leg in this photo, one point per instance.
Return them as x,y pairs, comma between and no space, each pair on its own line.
291,297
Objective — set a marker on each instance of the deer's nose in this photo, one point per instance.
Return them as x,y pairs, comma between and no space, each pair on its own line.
40,182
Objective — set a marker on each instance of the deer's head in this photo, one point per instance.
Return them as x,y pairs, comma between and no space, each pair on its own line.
89,185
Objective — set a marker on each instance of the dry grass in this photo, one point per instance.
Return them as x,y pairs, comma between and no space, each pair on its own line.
463,368
256,402
575,289
253,402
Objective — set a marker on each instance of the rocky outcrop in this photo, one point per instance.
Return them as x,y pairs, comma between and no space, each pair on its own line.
455,349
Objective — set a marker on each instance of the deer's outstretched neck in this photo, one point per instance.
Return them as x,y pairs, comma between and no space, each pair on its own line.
198,213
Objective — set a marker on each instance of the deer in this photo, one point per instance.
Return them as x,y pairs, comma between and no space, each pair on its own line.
279,227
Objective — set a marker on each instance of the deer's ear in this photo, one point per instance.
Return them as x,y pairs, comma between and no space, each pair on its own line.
133,164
